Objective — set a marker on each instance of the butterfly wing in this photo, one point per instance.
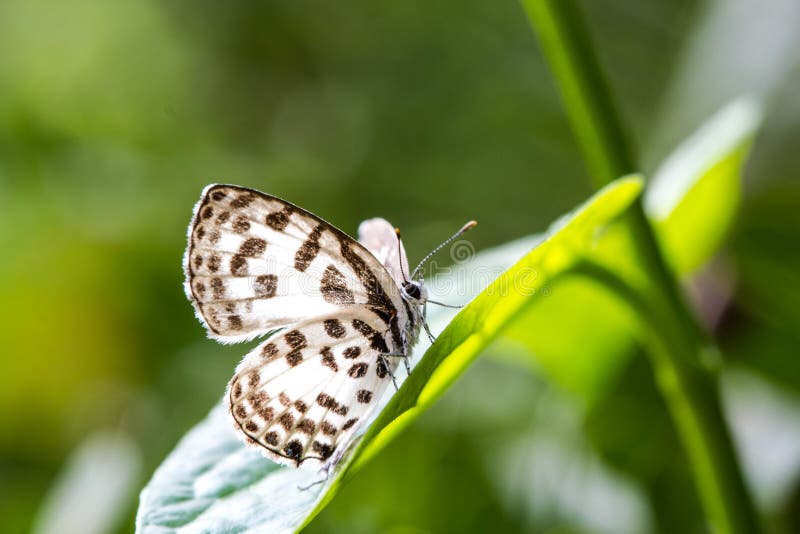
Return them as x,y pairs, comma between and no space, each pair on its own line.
380,238
302,394
255,263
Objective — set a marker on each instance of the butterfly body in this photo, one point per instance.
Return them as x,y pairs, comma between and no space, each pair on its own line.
345,312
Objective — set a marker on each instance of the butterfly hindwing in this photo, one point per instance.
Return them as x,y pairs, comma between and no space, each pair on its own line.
302,393
255,263
380,238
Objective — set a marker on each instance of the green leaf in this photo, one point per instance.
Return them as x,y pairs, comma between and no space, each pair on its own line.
693,197
574,345
212,482
692,202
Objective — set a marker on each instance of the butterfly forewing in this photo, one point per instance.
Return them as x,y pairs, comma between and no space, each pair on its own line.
256,262
301,394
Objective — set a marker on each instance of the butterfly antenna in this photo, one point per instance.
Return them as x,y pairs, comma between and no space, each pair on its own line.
400,255
454,306
469,226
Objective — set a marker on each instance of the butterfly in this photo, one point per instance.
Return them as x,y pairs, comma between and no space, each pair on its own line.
339,314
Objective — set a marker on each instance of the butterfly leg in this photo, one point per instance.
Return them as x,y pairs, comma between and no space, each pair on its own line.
405,361
326,470
431,337
385,363
315,483
404,355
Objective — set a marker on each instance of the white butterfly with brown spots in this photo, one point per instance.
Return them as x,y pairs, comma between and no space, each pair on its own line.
345,311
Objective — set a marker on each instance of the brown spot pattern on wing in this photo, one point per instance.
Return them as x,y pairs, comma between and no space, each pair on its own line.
328,359
238,265
375,338
267,413
252,247
294,357
240,224
265,286
243,200
259,399
334,287
308,251
253,378
326,401
214,262
295,339
294,450
286,420
381,369
271,438
349,423
351,353
334,328
323,449
358,370
279,220
307,426
269,350
218,288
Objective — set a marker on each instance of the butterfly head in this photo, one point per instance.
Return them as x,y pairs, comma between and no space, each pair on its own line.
415,292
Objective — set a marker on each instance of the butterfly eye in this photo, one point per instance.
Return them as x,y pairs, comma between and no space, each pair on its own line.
412,290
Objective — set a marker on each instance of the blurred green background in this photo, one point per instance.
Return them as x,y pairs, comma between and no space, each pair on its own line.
114,115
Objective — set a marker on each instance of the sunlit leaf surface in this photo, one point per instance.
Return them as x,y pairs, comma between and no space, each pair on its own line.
694,196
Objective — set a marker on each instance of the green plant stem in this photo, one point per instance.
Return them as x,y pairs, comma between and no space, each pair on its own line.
677,348
674,341
564,40
691,393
